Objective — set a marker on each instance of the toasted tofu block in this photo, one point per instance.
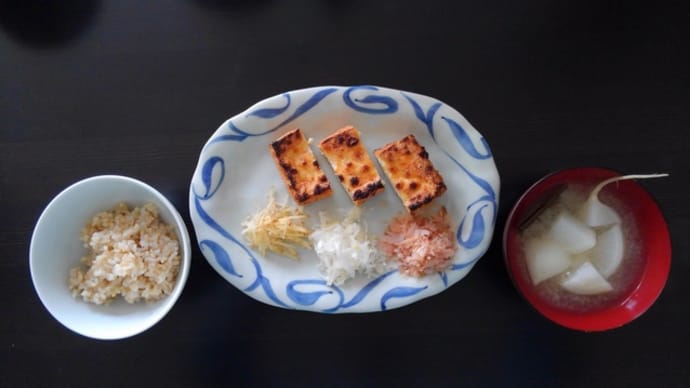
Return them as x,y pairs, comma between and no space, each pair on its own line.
407,165
299,168
352,164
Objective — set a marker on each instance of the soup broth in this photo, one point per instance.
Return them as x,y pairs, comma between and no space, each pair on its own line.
622,280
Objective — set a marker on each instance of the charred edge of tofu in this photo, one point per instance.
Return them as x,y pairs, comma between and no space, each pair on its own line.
369,191
342,137
289,172
420,200
279,146
285,141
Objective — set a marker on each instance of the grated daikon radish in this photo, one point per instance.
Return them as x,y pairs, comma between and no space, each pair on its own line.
585,280
345,249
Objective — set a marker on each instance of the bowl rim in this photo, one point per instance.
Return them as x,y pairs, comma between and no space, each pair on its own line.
641,297
166,303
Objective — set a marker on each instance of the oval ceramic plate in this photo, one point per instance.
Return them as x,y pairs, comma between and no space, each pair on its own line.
235,172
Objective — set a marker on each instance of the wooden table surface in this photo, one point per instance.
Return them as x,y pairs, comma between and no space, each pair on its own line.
137,87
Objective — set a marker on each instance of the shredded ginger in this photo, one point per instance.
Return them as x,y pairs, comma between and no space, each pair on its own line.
345,250
277,228
420,245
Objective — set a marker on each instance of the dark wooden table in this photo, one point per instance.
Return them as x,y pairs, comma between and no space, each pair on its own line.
136,88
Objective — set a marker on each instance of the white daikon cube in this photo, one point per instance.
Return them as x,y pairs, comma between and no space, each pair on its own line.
573,235
594,213
607,253
585,280
545,258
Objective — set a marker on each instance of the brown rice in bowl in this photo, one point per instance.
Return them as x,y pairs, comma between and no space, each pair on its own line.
56,249
131,253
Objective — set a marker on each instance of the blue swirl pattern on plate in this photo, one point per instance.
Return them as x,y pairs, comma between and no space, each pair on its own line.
460,143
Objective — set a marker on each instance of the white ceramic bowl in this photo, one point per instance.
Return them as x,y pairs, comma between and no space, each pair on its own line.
56,247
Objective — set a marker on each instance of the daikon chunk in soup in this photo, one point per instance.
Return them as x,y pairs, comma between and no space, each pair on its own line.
575,263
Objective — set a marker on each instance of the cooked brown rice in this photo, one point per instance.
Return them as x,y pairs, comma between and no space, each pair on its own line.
131,253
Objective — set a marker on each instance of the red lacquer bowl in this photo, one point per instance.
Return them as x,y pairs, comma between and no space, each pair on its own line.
654,249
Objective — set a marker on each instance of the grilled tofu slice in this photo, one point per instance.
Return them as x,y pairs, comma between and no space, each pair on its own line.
351,163
407,165
299,168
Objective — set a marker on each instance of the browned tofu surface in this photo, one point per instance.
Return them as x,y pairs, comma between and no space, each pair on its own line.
299,168
407,165
352,165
